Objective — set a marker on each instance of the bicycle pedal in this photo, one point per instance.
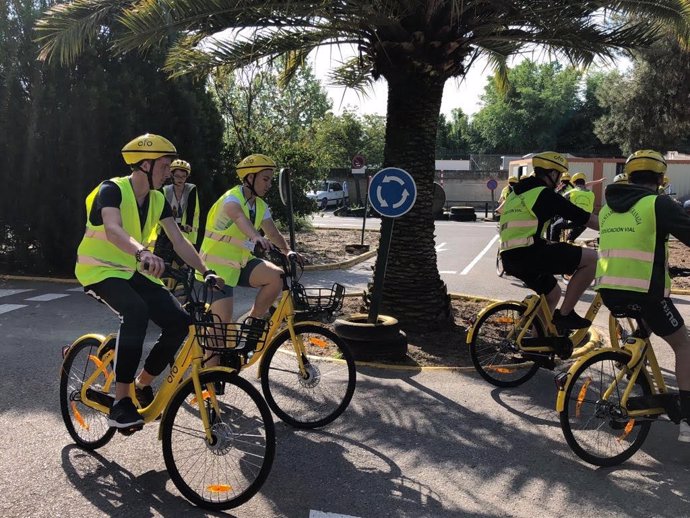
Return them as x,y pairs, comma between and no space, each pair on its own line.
131,430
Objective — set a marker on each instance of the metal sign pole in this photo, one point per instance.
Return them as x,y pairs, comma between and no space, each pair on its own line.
380,273
366,209
285,188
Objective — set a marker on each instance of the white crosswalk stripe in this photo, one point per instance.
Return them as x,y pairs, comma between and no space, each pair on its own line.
7,293
321,514
47,297
6,308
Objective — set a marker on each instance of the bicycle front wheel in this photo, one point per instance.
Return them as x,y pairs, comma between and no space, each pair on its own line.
317,394
87,426
229,470
493,349
595,424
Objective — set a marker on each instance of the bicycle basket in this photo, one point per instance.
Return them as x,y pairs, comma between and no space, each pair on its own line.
219,336
318,302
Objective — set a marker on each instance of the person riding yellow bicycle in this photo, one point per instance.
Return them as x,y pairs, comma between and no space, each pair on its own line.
583,198
632,270
115,266
232,232
529,257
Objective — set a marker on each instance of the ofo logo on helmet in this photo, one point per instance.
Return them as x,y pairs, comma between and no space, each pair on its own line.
145,142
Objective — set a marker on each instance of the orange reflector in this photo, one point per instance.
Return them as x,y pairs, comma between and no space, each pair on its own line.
219,488
318,342
99,364
501,370
505,320
78,418
581,396
626,431
205,394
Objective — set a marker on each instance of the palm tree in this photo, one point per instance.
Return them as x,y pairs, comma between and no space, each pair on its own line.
415,45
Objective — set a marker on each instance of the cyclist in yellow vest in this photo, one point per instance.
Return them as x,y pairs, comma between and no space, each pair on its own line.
632,271
583,198
183,198
232,232
529,257
512,180
566,185
121,216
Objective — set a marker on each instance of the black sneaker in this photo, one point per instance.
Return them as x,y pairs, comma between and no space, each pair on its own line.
570,321
144,395
123,414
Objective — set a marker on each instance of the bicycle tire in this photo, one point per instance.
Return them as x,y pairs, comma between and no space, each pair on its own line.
304,402
500,271
590,424
233,469
496,359
87,426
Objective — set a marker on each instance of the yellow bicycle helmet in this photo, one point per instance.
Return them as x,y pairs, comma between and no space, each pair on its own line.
550,160
181,164
254,164
512,180
645,160
147,147
578,176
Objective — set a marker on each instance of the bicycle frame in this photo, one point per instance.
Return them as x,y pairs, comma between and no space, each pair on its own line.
537,307
642,361
190,355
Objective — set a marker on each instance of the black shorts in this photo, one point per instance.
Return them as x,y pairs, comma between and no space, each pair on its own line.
660,314
536,265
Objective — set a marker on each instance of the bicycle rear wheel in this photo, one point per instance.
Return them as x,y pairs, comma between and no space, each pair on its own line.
87,426
598,430
499,264
493,350
232,469
323,392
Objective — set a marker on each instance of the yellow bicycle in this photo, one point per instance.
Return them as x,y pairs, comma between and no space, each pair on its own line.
216,430
608,400
510,340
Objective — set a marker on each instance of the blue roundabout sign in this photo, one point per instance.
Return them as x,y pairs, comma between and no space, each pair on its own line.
392,192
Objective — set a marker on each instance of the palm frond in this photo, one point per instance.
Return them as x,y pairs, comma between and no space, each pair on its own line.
352,73
66,29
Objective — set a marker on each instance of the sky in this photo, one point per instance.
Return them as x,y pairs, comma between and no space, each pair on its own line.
456,94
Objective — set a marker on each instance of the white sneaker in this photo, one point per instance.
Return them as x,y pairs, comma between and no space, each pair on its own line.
684,435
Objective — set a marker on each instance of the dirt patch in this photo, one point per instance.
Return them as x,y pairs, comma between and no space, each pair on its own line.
326,246
679,265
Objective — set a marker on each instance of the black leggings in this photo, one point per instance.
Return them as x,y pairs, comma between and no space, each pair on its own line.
136,300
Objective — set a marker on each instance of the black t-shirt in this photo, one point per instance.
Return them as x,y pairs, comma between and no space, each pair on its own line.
109,195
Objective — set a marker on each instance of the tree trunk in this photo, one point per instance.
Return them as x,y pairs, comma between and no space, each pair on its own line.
413,290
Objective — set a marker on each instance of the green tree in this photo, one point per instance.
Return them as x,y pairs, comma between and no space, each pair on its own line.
415,46
648,107
452,139
540,101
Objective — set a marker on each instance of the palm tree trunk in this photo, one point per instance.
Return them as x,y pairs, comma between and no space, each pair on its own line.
413,290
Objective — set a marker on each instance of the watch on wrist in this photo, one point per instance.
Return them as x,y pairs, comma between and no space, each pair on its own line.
137,255
209,272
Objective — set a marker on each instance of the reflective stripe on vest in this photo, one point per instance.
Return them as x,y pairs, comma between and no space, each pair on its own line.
97,258
627,248
223,242
518,222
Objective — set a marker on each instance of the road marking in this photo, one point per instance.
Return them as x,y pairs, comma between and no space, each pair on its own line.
6,308
441,247
451,272
479,256
48,296
7,293
78,288
321,514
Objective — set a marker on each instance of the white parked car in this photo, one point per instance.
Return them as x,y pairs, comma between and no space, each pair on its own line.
329,193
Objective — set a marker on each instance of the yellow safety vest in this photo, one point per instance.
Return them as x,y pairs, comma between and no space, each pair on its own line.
225,248
518,222
97,258
583,199
627,244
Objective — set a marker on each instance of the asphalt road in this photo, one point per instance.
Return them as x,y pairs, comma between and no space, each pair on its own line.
412,444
